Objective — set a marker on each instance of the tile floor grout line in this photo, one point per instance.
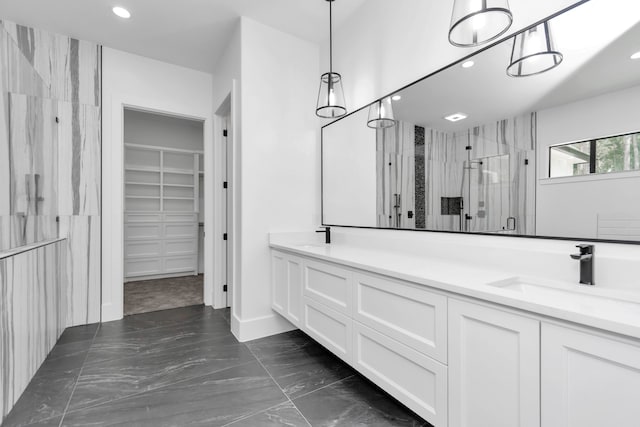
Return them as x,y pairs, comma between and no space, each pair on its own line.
325,386
155,388
244,417
278,385
64,413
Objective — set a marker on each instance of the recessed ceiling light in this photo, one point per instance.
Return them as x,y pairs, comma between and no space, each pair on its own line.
121,12
396,98
635,55
468,64
456,117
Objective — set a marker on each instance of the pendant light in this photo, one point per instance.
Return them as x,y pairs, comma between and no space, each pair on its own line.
331,103
381,114
474,22
533,52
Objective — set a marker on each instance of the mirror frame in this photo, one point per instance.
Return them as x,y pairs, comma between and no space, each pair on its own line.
446,67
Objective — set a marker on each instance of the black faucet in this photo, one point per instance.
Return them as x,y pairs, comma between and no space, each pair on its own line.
586,263
327,234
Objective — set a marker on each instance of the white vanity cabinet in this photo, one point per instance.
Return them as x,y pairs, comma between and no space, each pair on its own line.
494,367
589,380
458,361
286,282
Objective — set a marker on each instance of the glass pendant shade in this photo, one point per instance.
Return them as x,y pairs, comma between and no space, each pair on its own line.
533,52
331,97
474,22
381,114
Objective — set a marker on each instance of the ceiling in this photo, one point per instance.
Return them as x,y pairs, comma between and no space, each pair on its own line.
190,33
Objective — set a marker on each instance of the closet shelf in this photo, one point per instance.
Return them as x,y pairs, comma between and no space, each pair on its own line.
178,171
178,185
143,197
155,184
142,169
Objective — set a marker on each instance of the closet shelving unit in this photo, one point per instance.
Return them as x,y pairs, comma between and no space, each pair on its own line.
161,190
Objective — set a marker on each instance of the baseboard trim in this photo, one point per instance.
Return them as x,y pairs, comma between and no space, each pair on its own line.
259,327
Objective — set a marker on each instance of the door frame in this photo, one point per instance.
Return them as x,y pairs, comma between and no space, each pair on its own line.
112,306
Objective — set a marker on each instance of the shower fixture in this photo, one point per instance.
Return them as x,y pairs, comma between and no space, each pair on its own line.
331,103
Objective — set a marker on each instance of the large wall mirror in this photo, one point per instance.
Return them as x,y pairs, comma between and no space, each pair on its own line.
482,147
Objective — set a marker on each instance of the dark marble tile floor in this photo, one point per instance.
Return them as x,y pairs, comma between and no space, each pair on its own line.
184,367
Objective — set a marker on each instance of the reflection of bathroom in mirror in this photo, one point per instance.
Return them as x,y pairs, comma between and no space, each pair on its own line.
475,149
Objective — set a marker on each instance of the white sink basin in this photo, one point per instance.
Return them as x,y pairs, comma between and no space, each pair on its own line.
575,297
312,245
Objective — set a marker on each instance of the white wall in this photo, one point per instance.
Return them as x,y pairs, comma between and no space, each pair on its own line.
386,44
351,184
162,131
570,206
278,151
139,82
277,176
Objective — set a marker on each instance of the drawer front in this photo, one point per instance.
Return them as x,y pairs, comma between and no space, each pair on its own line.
180,217
177,231
328,285
179,247
151,248
143,231
411,377
142,267
179,264
142,218
408,313
329,327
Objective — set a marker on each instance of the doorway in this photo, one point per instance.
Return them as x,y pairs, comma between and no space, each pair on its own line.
164,200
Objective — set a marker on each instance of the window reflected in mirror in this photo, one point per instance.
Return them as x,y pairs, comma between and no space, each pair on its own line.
612,154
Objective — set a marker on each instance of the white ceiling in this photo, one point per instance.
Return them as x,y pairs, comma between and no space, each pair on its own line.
191,33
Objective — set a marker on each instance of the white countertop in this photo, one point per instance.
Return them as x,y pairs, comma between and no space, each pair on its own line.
618,311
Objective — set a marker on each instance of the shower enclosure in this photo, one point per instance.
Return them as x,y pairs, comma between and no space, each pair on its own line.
478,180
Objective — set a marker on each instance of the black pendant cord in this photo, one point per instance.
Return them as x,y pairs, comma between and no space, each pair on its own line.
330,41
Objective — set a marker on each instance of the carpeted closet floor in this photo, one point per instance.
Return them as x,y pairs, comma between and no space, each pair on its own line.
162,294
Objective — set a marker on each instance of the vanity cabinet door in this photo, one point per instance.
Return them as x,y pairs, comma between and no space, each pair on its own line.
494,367
286,286
589,380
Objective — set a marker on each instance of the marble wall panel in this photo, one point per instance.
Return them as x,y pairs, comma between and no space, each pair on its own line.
32,316
70,68
79,159
82,267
